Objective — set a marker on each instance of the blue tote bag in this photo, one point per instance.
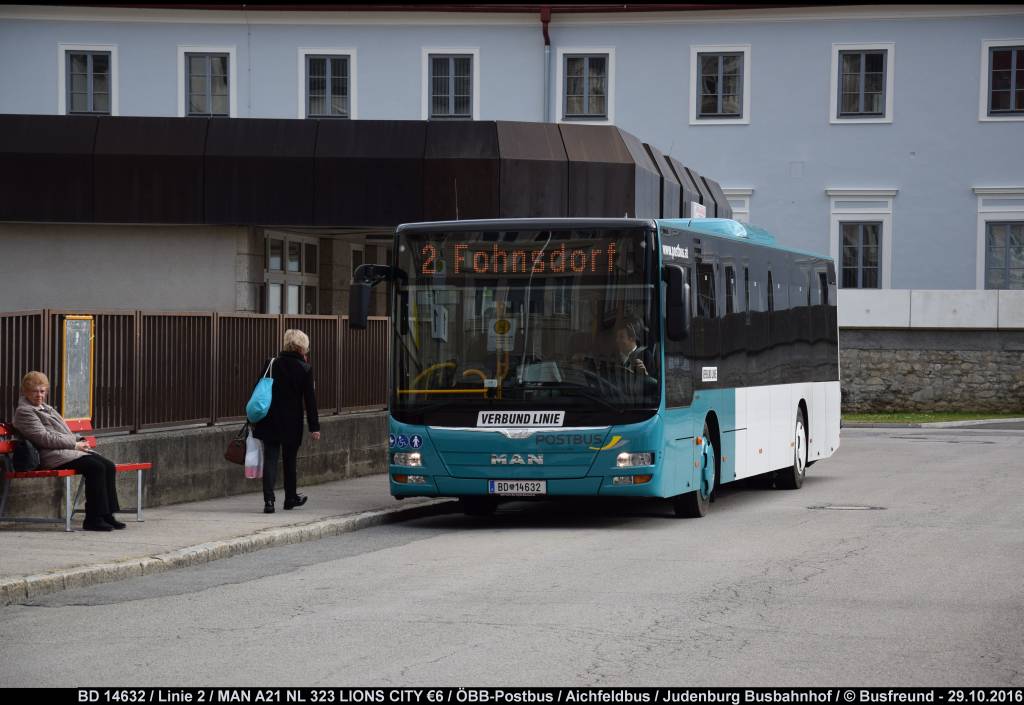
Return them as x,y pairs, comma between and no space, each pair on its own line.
259,402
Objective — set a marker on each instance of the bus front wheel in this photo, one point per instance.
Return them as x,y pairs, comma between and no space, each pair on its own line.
695,504
792,478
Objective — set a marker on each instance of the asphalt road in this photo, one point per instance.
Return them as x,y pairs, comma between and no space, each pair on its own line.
922,588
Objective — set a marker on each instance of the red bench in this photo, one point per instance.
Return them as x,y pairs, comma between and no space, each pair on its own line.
78,426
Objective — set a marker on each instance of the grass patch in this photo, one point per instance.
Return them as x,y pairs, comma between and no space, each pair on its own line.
927,417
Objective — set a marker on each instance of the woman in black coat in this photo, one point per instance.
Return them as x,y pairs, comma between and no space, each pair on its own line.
281,428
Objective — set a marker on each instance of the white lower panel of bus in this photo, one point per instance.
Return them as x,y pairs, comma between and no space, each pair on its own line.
765,421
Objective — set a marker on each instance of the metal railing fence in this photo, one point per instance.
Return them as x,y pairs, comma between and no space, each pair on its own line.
159,369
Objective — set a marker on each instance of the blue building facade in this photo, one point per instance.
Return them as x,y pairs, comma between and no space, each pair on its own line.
891,137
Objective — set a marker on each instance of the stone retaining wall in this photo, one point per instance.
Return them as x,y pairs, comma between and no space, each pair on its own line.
932,370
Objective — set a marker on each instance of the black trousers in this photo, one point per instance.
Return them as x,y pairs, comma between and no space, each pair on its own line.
271,451
100,487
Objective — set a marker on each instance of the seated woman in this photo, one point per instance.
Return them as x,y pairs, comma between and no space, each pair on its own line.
60,449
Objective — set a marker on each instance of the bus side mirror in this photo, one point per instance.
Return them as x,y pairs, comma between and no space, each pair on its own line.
364,279
358,305
677,302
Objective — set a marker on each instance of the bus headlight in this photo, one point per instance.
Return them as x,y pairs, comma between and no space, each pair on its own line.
408,460
633,460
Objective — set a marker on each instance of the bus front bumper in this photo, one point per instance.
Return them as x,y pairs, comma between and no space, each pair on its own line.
445,486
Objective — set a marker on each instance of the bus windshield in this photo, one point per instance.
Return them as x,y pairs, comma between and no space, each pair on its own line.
526,319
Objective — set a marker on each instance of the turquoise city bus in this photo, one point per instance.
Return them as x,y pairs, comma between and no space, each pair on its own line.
604,357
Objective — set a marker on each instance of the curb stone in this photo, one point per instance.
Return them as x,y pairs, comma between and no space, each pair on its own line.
928,424
21,589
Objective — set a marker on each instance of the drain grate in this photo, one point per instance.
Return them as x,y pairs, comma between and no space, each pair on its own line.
845,507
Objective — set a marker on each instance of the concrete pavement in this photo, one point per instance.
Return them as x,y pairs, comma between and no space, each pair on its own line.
39,559
36,559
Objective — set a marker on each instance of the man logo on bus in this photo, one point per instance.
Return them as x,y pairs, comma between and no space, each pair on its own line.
517,459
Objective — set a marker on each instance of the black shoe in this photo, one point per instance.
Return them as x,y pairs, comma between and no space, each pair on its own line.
268,506
109,518
296,501
96,524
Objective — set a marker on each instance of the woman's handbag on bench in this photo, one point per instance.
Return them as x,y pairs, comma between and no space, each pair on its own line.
235,452
25,457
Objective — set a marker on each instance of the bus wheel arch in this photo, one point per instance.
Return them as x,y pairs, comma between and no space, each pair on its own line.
695,503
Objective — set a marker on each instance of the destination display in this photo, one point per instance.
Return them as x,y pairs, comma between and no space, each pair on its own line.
591,257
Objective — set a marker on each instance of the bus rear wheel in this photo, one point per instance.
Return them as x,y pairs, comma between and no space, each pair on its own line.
792,478
478,506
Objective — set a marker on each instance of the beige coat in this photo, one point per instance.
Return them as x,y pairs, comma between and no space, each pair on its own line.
45,427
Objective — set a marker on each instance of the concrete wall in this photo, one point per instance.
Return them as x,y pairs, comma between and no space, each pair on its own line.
189,465
912,308
189,268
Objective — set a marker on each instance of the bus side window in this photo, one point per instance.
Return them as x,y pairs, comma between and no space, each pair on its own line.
706,291
746,293
730,291
678,372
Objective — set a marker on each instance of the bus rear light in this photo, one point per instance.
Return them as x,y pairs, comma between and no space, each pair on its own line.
632,460
408,460
631,479
410,479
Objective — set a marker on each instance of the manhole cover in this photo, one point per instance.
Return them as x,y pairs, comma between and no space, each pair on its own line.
845,507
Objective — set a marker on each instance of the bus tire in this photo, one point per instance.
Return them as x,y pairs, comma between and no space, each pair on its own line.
792,478
692,505
478,506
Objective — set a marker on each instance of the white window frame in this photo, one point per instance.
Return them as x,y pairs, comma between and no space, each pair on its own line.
303,86
232,74
62,50
983,115
739,201
995,203
744,49
425,77
890,72
559,90
861,204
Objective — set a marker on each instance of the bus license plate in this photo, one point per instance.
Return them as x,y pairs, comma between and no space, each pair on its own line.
517,488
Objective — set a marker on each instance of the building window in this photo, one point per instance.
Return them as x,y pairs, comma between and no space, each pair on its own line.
586,86
861,236
327,86
860,260
88,82
1004,255
862,83
291,274
208,85
1006,80
1000,243
720,78
451,86
739,201
720,89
